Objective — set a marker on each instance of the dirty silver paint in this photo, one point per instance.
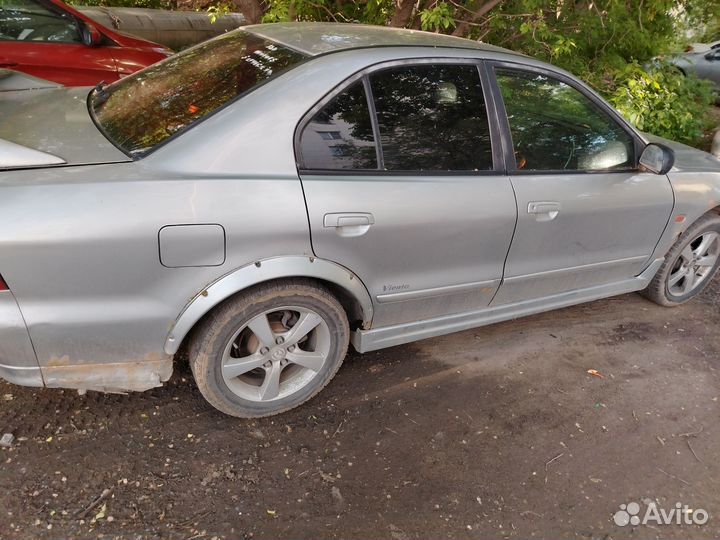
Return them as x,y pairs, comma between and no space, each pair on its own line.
82,251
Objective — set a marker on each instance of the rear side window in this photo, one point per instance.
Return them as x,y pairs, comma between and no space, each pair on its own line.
340,136
428,118
432,118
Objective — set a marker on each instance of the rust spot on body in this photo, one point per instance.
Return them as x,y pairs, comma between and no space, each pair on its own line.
128,375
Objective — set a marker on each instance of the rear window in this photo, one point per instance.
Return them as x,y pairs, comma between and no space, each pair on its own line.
143,110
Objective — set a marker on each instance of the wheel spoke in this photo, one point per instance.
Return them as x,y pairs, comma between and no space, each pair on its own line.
677,276
271,385
707,260
707,240
310,360
687,253
305,324
238,366
260,326
689,281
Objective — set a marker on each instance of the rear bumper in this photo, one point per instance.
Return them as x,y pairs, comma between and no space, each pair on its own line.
18,362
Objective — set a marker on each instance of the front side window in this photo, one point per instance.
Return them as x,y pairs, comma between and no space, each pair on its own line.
27,20
432,118
554,127
143,110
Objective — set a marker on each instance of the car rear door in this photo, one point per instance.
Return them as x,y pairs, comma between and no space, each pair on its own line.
424,218
42,40
586,216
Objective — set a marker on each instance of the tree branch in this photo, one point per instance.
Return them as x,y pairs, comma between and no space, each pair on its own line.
462,28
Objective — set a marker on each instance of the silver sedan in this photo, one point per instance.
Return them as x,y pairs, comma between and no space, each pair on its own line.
704,63
266,198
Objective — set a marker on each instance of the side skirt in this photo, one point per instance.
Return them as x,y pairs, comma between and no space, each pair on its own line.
389,336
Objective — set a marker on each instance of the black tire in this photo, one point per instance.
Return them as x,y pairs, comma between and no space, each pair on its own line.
212,338
658,291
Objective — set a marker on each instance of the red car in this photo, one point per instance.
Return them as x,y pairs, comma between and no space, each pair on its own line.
51,40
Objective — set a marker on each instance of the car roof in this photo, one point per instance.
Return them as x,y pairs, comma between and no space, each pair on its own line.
321,38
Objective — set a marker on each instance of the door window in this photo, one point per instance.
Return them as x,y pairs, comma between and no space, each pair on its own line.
429,118
340,136
25,20
432,118
554,127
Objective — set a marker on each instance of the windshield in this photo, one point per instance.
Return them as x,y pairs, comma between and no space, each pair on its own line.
143,110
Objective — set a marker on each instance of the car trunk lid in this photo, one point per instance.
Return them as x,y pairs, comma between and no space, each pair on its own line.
52,121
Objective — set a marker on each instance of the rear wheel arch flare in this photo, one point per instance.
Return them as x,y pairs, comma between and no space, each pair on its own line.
345,285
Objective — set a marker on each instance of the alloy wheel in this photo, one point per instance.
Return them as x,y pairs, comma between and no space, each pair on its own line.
276,353
694,264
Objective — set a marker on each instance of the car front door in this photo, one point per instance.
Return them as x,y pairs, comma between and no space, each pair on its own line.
403,188
586,216
42,40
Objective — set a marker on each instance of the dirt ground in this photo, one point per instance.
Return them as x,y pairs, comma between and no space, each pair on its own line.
490,433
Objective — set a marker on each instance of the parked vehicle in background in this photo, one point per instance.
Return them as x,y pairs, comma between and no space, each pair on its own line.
268,197
701,47
51,40
175,29
702,62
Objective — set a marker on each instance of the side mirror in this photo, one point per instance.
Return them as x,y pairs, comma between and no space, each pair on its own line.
91,36
657,159
712,55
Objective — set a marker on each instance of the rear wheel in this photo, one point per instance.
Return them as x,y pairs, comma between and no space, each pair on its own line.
690,264
269,350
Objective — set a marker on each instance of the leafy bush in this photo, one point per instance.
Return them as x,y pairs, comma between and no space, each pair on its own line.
438,18
663,101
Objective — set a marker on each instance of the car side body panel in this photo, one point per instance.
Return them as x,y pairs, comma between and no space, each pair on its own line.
437,245
606,230
80,252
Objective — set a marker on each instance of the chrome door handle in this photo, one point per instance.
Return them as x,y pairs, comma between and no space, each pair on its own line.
348,219
544,210
349,223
